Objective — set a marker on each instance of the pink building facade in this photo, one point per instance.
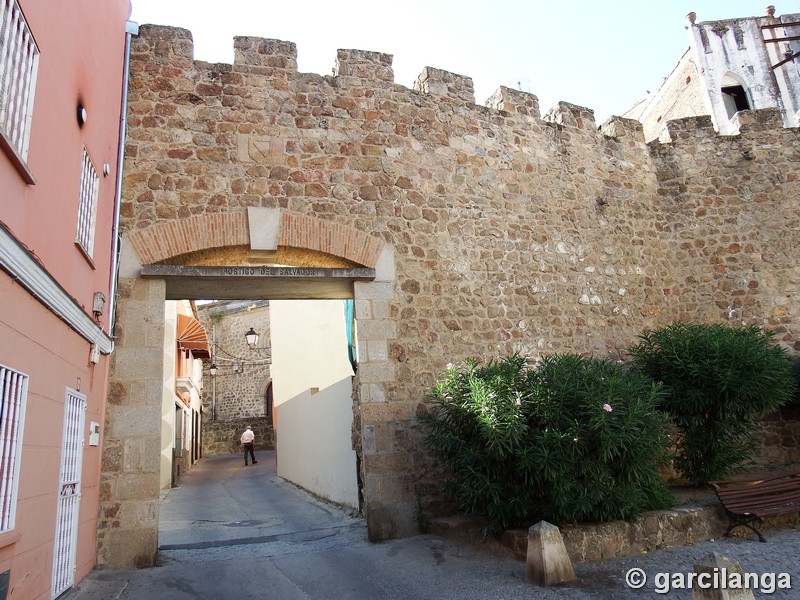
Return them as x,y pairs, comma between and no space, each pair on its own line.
62,76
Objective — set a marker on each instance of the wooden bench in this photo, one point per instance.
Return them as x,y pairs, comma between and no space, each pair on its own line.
751,499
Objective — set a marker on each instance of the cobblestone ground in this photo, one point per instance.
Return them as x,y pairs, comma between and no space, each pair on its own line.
780,554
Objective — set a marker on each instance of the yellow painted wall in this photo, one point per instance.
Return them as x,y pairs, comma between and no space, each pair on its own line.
311,378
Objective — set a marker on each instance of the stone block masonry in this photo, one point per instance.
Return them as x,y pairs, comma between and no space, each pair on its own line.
223,437
508,231
240,388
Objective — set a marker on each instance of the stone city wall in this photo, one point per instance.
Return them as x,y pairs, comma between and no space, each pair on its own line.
778,437
730,211
222,437
236,393
510,231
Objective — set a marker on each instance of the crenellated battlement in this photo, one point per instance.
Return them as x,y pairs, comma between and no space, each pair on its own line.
171,49
328,136
262,52
765,119
572,115
364,65
514,101
437,82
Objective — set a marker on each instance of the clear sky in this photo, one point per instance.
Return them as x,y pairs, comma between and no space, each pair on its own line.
599,54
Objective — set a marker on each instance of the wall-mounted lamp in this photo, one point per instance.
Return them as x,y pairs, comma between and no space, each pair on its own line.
747,155
83,115
213,369
252,338
236,368
252,341
601,201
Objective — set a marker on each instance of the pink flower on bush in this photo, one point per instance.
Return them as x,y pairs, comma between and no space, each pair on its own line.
607,407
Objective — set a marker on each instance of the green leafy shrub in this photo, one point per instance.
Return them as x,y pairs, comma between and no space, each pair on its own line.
717,381
577,439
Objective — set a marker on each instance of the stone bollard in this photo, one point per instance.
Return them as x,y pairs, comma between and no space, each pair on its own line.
719,569
547,560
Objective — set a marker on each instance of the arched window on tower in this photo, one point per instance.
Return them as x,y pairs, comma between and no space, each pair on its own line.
734,95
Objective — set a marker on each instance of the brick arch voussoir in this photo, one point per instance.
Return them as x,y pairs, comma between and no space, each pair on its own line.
311,233
164,240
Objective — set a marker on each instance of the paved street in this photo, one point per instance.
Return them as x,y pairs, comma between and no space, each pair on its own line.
236,532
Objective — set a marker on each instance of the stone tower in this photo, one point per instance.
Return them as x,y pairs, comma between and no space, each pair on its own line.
730,65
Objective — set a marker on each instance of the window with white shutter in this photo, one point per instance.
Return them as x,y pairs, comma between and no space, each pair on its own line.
19,60
13,395
87,209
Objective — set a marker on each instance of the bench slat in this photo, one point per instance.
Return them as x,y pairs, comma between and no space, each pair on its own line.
756,498
736,485
783,495
753,488
760,495
757,478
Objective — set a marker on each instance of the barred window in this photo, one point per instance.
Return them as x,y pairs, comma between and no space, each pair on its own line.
13,396
19,60
87,209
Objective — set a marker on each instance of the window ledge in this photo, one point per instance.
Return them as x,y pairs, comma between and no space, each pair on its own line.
10,537
16,160
86,255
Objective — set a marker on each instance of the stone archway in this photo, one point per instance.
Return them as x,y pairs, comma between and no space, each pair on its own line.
128,520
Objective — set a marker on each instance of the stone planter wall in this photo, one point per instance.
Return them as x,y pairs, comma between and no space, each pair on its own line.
587,542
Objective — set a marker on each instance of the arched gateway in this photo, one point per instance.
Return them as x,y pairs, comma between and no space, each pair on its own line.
461,230
227,256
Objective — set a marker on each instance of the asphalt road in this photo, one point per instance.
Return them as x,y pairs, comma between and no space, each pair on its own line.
235,532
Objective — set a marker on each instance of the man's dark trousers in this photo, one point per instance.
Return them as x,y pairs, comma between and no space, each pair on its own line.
248,448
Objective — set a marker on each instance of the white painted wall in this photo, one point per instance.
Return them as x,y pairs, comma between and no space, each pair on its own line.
312,389
168,394
719,54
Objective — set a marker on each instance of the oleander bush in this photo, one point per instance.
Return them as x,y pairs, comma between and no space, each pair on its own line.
717,381
575,439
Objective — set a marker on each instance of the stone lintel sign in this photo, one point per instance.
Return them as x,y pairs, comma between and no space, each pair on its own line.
244,282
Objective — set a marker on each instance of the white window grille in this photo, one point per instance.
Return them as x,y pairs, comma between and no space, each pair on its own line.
19,61
87,210
13,396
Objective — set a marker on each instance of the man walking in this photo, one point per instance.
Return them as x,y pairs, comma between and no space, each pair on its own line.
247,439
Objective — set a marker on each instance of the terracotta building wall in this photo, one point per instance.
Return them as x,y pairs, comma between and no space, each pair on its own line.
48,329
